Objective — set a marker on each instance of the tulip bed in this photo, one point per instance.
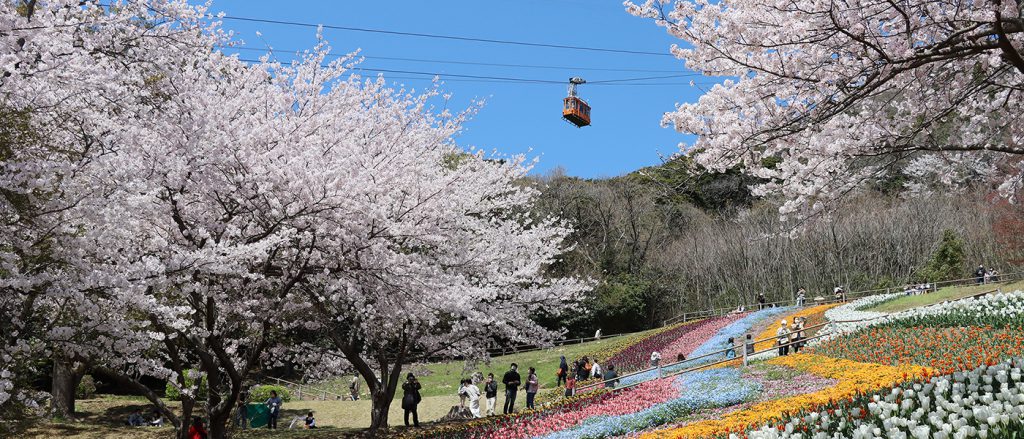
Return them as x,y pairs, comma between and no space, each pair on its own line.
696,337
851,316
854,379
987,403
998,310
638,355
946,349
697,390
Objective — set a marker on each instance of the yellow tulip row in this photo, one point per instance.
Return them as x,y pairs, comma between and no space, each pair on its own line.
854,378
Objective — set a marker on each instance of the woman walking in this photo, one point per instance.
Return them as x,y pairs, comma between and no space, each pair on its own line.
532,386
563,372
410,399
274,409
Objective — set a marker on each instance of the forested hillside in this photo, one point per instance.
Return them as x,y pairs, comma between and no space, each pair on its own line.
676,238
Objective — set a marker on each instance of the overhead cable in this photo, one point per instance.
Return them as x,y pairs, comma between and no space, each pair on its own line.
446,37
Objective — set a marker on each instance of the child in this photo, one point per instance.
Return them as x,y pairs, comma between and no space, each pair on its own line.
310,421
570,386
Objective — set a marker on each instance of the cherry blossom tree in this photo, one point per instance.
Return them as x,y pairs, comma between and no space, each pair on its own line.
823,96
446,261
173,212
72,76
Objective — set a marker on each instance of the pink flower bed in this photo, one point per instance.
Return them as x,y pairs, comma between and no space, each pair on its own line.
638,356
630,401
695,337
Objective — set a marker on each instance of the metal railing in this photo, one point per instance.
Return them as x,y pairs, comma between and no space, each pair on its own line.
314,391
828,298
689,360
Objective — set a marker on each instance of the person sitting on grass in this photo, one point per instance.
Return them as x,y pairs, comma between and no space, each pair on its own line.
156,419
310,421
135,419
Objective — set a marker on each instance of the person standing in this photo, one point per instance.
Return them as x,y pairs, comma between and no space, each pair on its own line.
570,386
748,348
597,334
411,398
730,352
563,371
491,393
979,274
532,386
595,370
610,377
582,369
761,300
782,338
274,404
353,388
471,392
798,334
242,415
801,296
655,358
511,380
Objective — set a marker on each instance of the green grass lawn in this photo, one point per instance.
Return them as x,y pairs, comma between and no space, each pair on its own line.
442,379
103,417
943,294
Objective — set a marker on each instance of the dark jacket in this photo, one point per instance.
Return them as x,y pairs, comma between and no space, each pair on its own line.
411,395
610,375
491,389
512,380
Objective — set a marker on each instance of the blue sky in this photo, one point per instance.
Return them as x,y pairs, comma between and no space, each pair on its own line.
517,117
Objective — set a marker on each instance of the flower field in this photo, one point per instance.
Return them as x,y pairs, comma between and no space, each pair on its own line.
853,379
942,348
696,337
987,402
706,352
699,390
946,362
637,355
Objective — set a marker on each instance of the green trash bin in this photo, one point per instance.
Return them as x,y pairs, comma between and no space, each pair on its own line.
259,415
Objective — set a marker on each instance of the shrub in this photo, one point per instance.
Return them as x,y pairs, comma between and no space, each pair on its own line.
171,391
86,387
262,393
947,262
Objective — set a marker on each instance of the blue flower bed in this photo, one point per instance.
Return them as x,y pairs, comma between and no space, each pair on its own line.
698,390
719,341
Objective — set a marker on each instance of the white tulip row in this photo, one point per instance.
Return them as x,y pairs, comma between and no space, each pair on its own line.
986,403
848,318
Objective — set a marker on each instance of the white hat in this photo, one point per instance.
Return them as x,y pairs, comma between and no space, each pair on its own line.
783,322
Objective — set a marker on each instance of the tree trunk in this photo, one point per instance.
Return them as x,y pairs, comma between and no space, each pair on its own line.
66,378
186,417
381,404
219,411
218,425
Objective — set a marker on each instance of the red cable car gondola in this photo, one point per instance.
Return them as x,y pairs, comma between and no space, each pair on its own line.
574,109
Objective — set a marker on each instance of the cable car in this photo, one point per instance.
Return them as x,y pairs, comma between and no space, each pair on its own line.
574,109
